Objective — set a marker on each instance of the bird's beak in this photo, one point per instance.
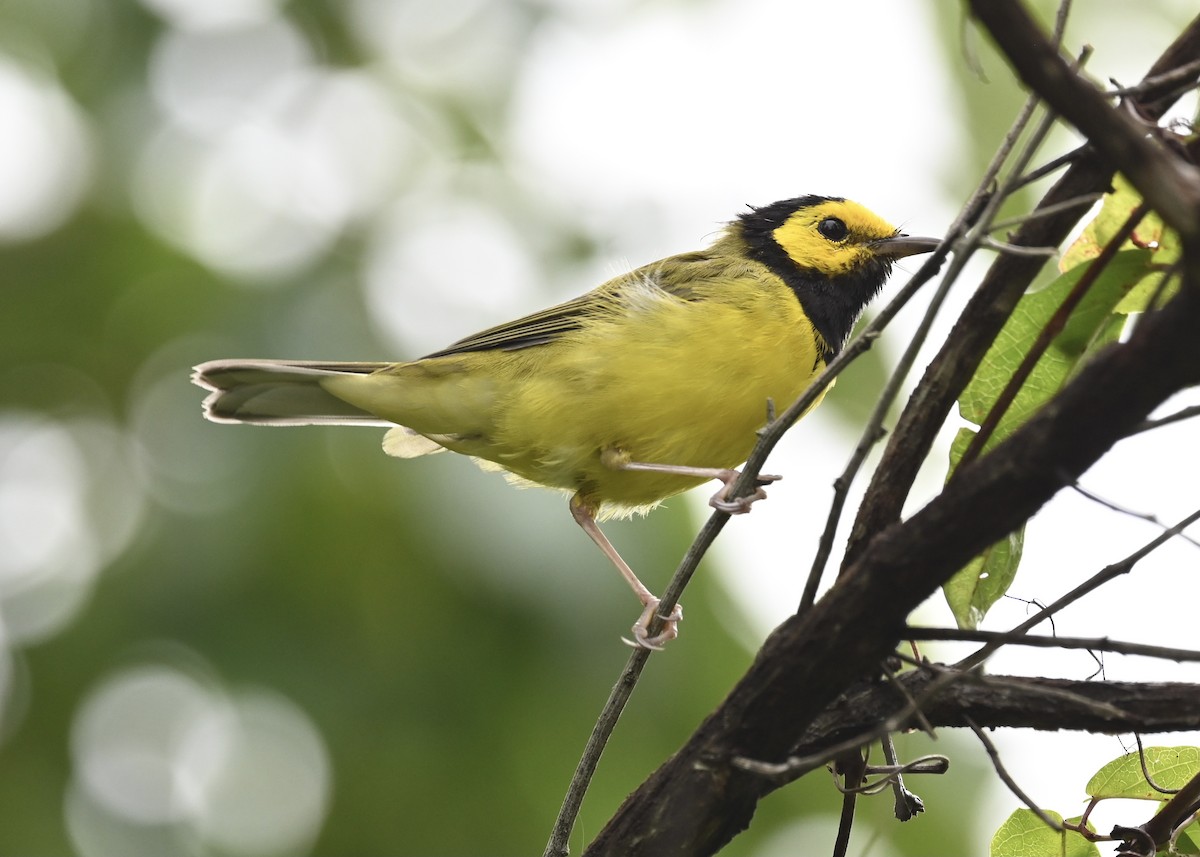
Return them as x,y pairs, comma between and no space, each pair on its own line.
899,246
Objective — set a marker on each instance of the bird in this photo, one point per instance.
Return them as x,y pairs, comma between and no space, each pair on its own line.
652,383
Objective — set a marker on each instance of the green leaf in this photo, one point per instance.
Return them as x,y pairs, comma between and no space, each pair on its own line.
984,580
1023,834
981,583
1169,767
1151,235
1185,842
1144,292
1088,326
973,590
1115,209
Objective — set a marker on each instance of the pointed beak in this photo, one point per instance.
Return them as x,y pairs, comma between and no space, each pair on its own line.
899,246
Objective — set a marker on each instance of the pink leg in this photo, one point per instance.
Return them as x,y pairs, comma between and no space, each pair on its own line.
584,515
718,501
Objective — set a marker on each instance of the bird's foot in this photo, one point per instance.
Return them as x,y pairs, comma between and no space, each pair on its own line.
642,638
741,505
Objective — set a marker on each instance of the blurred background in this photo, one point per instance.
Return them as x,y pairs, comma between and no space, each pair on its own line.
240,641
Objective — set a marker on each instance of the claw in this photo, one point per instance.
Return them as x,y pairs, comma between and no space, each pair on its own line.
642,639
742,504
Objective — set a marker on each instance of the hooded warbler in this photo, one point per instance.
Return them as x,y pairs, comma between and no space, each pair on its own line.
648,385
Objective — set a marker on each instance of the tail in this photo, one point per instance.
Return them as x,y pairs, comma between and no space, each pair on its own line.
280,393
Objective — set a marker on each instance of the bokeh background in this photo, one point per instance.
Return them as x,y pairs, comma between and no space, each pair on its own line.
240,641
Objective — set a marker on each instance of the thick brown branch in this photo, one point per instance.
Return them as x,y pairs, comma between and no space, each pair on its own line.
990,701
1012,701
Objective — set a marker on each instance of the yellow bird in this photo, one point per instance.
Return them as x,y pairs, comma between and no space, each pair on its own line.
649,385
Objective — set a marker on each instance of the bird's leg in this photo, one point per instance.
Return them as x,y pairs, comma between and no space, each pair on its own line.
585,516
618,460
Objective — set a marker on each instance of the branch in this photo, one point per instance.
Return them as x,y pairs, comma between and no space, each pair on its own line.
1091,644
995,702
1007,779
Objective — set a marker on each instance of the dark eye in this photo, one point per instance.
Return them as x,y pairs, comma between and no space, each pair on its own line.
833,229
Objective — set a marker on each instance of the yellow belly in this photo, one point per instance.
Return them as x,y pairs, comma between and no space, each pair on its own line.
667,381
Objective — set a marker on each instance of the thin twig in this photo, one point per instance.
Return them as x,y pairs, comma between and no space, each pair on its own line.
1007,779
1019,249
928,764
557,846
1094,582
890,675
1142,516
1088,199
1146,771
1060,22
852,768
1184,414
1162,83
907,804
1094,644
1051,166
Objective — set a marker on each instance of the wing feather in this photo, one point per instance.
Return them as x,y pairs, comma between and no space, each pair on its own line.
677,276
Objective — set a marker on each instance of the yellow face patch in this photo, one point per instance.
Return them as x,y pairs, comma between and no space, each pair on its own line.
833,237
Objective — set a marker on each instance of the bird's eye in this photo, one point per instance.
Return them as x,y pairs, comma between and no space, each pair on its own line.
833,229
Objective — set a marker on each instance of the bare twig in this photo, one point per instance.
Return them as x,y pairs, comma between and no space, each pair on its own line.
1146,771
1007,779
851,767
1143,516
1053,165
907,803
1019,249
1087,199
1094,644
1094,582
926,726
560,836
1173,82
1182,414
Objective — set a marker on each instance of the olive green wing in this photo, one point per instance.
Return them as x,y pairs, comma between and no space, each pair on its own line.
536,329
676,275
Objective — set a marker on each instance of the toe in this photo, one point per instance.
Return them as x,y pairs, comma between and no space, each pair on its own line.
642,638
